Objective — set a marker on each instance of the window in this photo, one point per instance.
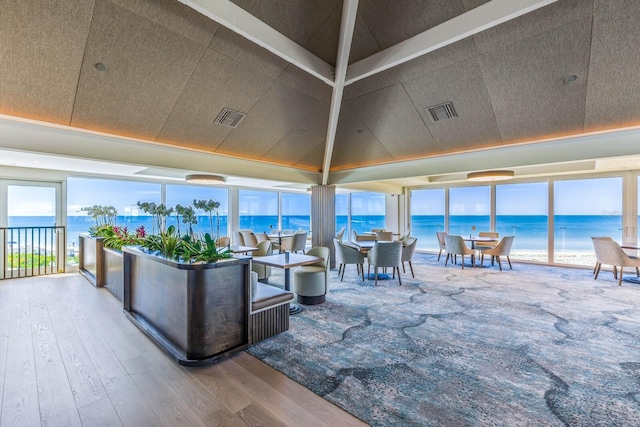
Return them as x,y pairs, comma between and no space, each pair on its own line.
522,211
469,210
427,217
184,195
342,214
123,195
367,211
582,209
295,211
258,210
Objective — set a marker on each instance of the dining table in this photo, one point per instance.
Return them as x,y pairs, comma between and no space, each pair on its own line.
479,239
287,261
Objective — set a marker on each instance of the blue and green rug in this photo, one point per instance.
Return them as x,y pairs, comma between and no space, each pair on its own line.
531,346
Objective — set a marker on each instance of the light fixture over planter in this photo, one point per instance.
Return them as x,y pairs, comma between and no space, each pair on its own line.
490,176
199,178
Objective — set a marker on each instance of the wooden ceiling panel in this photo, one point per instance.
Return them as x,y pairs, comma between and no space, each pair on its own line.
41,48
539,21
526,85
312,159
391,116
303,138
393,21
174,16
355,145
277,112
217,82
613,95
148,67
371,84
463,85
249,54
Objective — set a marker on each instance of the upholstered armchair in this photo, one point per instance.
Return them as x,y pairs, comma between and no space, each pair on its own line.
503,248
249,238
294,243
265,248
609,252
355,237
311,281
454,245
385,254
340,234
408,249
223,241
348,255
384,236
487,245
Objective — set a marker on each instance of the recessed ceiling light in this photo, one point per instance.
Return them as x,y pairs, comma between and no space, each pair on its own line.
490,175
199,178
570,79
101,67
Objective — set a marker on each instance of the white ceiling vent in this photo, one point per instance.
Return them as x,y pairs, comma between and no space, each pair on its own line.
442,112
228,117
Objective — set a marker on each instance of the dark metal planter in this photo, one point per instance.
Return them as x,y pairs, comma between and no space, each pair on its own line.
91,259
195,312
114,273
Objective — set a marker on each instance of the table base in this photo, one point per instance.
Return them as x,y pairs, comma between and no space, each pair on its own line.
295,308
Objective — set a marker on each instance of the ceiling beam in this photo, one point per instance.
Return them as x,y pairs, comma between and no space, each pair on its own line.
347,26
476,20
248,26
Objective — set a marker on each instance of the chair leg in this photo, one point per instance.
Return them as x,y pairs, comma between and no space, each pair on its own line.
597,271
620,278
411,268
399,278
446,260
615,272
463,261
595,267
439,253
375,283
362,270
403,270
344,267
499,262
509,259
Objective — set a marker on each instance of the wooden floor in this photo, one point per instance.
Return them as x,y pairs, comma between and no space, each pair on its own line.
69,357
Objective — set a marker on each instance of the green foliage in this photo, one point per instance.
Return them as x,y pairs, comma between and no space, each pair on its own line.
103,217
117,237
208,252
209,206
30,260
159,212
168,243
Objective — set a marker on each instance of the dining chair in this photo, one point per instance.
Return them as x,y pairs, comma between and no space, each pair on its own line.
385,254
403,236
294,243
503,248
340,234
441,242
250,238
455,245
355,237
265,248
348,255
609,252
223,241
408,249
487,245
384,236
375,230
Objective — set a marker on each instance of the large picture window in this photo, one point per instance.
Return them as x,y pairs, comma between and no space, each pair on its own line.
469,210
295,211
427,217
258,210
367,211
184,195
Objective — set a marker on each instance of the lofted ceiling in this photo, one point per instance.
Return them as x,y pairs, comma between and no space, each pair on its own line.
170,70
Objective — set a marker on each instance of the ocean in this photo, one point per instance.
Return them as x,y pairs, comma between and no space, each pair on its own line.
573,232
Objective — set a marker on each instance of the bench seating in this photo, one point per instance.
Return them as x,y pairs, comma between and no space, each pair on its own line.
269,310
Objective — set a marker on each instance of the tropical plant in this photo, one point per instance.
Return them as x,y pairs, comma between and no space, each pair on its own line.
104,219
188,216
207,251
167,243
210,206
159,212
120,236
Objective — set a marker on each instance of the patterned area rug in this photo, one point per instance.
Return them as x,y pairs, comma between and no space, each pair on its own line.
531,346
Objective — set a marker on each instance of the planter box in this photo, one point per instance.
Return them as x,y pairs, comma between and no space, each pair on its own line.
195,312
114,273
91,259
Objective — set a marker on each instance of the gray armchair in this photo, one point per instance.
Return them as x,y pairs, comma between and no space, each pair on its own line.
408,249
265,248
440,235
296,242
348,255
455,246
311,281
385,254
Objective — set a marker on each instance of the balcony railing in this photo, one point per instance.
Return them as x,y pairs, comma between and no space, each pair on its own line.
32,251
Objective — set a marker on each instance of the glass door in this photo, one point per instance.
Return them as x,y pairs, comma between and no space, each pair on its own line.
31,228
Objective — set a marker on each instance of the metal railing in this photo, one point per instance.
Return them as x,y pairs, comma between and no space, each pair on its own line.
32,251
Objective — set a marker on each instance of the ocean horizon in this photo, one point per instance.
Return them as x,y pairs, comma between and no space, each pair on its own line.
572,232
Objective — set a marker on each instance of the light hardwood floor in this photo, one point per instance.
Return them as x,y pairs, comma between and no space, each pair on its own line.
69,357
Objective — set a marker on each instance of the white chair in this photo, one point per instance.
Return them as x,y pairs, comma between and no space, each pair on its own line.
440,235
487,245
355,237
408,249
384,236
456,246
340,234
311,281
609,252
385,254
249,238
503,248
